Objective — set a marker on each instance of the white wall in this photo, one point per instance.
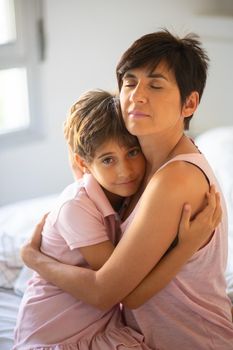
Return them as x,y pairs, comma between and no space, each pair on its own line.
84,41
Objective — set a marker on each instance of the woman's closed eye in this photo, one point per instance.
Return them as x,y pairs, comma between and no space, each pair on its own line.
129,83
157,87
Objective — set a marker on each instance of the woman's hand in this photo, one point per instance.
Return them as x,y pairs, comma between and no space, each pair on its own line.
199,230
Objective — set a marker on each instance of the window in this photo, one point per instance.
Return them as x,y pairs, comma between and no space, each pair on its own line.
21,52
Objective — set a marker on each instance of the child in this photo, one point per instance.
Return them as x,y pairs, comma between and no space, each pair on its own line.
82,229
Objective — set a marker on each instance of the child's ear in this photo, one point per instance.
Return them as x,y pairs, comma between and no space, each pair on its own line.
190,105
81,164
76,170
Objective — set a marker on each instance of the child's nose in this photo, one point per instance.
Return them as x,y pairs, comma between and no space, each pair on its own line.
125,170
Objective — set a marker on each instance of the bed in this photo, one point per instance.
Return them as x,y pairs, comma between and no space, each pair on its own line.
17,221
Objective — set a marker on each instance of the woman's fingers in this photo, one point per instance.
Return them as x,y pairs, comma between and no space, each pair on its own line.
42,221
35,239
28,250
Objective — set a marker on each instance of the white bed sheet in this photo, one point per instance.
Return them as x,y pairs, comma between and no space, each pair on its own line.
17,221
9,304
217,146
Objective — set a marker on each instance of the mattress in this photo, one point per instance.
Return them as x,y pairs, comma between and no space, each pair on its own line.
9,304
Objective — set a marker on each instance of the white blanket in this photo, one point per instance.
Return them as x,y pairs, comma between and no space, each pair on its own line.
217,146
9,304
16,224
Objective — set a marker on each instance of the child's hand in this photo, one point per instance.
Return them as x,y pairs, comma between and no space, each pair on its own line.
198,231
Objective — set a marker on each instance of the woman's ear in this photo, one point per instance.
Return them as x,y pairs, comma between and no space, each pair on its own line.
81,163
190,105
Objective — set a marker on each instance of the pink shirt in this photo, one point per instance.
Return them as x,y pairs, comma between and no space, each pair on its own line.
193,312
83,216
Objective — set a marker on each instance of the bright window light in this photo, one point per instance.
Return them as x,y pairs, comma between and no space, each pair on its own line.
14,104
7,22
21,43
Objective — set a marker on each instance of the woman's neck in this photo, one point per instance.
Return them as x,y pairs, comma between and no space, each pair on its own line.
159,149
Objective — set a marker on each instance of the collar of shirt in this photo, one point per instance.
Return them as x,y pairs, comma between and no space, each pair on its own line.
97,195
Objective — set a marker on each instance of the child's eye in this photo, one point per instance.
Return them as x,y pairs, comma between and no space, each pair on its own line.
134,152
107,161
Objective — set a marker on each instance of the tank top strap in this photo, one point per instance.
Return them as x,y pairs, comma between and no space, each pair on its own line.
197,159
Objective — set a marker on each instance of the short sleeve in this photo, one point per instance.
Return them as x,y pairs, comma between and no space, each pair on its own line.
81,224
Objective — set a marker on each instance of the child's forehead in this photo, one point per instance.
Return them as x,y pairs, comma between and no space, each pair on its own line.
114,144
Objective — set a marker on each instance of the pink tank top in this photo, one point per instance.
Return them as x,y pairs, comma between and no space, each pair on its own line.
193,312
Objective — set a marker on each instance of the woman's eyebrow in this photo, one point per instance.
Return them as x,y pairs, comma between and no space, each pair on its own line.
152,75
129,75
155,75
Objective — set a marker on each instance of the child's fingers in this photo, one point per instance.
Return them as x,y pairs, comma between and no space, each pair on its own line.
214,207
207,213
218,211
185,217
211,215
211,199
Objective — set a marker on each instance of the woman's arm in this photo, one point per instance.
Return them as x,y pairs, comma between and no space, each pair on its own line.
192,235
123,271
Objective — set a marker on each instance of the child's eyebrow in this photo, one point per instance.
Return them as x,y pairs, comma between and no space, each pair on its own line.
105,154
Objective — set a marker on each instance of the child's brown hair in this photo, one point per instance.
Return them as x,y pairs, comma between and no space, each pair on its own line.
94,119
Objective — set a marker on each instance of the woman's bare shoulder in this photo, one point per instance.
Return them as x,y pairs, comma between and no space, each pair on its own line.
178,181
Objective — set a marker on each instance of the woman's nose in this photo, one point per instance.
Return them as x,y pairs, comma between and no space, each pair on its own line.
138,94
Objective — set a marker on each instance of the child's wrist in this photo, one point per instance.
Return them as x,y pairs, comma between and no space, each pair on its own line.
187,246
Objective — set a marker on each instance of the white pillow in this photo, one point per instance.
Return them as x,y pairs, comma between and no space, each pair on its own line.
17,222
217,146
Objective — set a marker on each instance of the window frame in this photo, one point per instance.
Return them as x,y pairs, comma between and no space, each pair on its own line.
27,51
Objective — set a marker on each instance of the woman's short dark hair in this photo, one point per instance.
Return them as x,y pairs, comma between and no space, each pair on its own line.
184,56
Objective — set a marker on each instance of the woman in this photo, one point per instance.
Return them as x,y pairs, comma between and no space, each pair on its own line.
161,80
